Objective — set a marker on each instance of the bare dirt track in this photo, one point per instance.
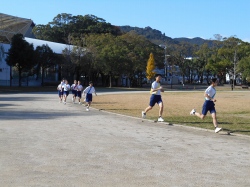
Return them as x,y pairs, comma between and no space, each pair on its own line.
46,143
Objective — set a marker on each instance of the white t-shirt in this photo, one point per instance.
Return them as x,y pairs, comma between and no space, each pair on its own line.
59,87
74,87
210,91
79,88
66,87
89,90
156,85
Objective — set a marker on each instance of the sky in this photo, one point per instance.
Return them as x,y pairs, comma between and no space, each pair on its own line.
175,18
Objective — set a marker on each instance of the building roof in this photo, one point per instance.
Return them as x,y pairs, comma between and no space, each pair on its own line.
10,25
55,47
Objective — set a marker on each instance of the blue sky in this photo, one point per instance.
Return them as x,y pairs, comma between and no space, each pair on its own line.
175,18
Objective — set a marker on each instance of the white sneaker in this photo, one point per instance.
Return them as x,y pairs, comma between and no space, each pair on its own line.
87,109
217,129
143,114
64,102
192,112
160,119
79,103
72,100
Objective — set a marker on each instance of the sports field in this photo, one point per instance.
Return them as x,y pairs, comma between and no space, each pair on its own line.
233,108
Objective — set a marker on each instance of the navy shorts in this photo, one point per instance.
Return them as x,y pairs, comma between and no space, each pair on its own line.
155,99
66,93
88,97
208,106
73,92
60,93
79,94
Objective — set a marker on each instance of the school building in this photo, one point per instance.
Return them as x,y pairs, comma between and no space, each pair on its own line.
9,26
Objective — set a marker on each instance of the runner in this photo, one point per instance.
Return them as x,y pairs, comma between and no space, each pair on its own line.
79,89
209,104
155,91
74,91
60,92
66,89
88,91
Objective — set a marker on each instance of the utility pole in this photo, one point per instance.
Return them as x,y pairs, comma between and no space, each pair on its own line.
165,63
235,53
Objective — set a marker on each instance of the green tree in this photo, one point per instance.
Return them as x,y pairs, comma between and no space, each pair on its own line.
179,55
21,55
244,63
201,60
150,67
225,58
109,54
64,25
138,49
244,67
46,58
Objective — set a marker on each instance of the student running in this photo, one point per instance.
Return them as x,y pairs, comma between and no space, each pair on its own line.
89,91
155,91
60,92
79,89
209,104
66,89
74,91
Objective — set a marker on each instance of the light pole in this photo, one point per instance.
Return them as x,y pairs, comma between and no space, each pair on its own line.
234,67
165,60
235,61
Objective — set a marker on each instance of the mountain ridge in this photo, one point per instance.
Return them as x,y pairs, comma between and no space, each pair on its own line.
157,37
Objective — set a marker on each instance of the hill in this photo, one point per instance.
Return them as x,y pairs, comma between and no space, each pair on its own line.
196,40
157,37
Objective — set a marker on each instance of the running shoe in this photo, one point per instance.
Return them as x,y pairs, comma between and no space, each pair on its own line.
217,129
160,119
143,114
192,112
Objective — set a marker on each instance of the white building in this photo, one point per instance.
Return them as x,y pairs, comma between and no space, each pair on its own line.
10,25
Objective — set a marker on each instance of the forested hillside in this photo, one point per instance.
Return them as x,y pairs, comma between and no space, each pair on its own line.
157,37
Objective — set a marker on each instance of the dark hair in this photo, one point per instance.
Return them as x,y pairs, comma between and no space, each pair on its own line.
156,75
213,80
90,82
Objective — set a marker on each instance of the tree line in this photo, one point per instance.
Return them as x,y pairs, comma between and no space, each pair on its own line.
226,56
103,53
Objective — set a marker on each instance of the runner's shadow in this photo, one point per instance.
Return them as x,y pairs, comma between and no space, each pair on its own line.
233,131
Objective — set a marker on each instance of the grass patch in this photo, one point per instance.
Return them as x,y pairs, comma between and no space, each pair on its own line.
233,109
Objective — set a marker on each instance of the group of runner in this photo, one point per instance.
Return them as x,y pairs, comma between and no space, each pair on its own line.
208,105
77,91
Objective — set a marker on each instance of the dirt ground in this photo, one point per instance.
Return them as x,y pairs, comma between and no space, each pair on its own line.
46,143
